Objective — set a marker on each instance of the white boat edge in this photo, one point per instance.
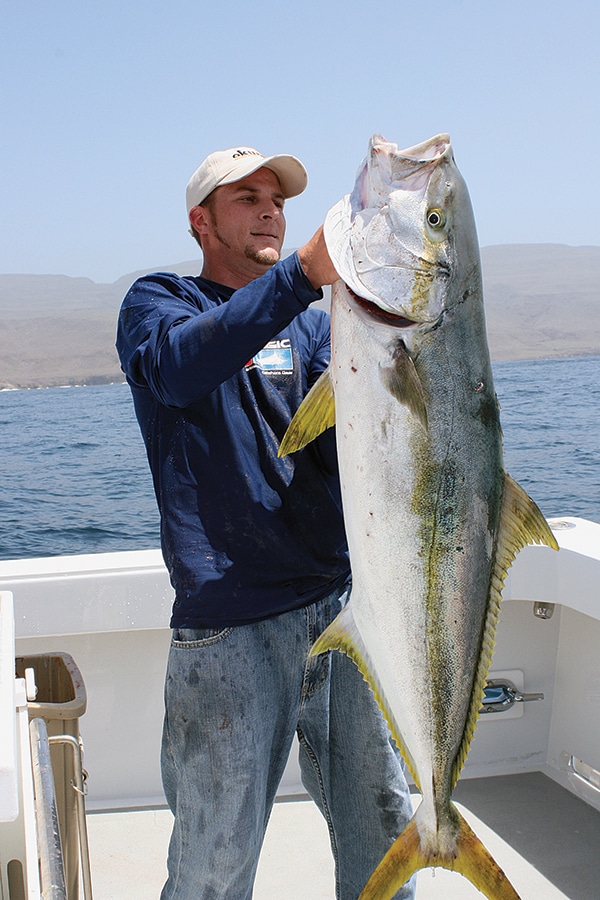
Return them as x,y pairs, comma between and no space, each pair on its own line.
109,612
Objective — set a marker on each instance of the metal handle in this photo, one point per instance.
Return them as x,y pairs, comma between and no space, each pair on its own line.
584,774
50,849
500,695
79,787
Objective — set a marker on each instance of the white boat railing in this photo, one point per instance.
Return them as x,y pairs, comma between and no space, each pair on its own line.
110,612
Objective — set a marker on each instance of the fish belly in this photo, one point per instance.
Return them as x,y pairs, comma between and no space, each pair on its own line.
420,525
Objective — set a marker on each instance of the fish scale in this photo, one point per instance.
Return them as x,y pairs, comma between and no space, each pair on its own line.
432,518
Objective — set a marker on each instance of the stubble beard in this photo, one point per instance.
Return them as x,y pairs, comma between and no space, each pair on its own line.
266,257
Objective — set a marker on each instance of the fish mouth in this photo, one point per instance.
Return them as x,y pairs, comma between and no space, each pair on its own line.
379,314
411,167
367,260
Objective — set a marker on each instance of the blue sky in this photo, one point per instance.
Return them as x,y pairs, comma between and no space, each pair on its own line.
107,108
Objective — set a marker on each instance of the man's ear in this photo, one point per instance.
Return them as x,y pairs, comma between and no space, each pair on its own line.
199,219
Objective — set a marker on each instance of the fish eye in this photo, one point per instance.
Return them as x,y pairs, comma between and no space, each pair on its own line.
436,219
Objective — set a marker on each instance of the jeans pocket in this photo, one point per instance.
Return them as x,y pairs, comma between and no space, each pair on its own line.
198,637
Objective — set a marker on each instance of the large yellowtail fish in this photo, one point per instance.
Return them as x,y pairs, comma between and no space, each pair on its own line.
433,520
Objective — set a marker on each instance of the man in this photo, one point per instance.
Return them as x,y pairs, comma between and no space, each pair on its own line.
254,544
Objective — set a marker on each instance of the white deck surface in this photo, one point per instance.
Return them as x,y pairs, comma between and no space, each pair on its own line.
128,849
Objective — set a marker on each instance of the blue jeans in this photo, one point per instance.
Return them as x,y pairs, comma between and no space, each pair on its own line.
234,699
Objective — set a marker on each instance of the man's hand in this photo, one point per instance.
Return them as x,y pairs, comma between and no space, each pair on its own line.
316,262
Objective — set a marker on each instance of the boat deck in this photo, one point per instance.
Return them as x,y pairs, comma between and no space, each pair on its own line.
545,838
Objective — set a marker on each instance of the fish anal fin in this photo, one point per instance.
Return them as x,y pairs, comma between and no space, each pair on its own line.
520,523
344,636
315,414
466,855
402,381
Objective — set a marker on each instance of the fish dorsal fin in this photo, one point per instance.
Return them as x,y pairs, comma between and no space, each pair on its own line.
402,380
343,635
521,522
315,414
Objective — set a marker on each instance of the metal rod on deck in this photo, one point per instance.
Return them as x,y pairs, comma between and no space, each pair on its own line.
78,787
52,870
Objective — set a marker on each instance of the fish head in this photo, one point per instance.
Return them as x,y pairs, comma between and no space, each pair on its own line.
399,239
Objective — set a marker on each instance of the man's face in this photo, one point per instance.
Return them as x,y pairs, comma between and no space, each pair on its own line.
245,222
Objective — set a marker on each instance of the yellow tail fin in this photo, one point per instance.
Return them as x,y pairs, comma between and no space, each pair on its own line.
407,855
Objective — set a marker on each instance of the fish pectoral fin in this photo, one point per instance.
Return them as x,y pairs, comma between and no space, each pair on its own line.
466,854
315,414
343,635
402,381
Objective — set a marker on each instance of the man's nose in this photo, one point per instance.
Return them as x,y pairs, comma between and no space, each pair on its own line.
270,210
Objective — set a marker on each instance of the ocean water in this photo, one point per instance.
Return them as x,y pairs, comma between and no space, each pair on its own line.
74,473
75,477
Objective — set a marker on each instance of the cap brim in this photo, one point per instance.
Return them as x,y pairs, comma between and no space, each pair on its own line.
292,175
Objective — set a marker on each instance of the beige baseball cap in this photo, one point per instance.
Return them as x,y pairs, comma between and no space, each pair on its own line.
227,166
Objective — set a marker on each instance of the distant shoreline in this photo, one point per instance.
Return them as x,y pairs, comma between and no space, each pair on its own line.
542,301
99,381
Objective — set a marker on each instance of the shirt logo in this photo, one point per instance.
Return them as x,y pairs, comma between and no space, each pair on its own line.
276,356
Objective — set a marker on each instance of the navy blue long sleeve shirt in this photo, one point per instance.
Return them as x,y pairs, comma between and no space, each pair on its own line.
216,376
